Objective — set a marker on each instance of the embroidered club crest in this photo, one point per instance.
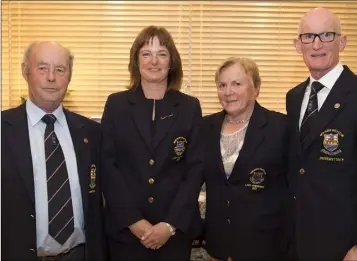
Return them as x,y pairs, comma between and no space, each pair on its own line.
330,141
179,147
257,176
256,179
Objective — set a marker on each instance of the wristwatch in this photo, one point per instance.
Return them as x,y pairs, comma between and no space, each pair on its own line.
170,228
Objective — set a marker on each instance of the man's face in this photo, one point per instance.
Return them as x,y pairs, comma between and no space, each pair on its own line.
320,57
47,74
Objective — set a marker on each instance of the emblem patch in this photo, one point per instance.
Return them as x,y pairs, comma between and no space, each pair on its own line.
179,147
93,175
331,142
257,177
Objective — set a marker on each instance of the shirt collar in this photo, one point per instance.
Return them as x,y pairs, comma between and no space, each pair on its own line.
330,78
35,113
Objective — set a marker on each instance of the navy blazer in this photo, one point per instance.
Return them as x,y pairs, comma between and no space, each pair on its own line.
18,214
245,213
154,178
323,172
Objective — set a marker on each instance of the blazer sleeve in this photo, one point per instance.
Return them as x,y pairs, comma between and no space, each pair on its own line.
119,202
186,201
98,245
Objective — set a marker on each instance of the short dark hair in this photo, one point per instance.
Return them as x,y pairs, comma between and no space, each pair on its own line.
175,73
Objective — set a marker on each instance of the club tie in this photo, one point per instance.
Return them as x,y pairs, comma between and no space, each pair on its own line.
60,212
311,111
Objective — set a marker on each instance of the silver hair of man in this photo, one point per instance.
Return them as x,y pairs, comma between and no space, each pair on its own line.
28,51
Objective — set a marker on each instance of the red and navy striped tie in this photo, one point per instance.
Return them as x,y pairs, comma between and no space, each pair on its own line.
60,211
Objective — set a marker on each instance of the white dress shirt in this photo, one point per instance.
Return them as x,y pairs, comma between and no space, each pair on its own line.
46,245
328,81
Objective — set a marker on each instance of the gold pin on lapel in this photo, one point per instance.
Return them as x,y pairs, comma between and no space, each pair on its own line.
337,105
85,140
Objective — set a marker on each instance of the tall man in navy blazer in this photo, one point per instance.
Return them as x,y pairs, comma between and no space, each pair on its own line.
35,224
323,166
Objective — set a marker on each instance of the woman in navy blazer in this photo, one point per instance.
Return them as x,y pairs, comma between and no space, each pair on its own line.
152,156
245,169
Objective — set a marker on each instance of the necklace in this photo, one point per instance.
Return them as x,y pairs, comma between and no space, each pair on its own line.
236,121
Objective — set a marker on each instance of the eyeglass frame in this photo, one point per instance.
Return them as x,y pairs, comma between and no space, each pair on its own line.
319,36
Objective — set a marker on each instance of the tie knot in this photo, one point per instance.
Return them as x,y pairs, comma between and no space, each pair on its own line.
49,119
317,86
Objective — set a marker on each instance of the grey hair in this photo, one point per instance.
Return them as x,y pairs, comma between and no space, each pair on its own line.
28,51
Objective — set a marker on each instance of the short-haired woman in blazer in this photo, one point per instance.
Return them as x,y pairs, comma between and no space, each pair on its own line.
245,169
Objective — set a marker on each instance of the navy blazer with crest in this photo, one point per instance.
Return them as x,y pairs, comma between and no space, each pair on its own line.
323,172
245,213
18,215
154,178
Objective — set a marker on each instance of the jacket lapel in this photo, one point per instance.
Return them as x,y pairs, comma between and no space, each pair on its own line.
165,117
82,151
253,138
20,147
335,102
216,127
296,112
140,115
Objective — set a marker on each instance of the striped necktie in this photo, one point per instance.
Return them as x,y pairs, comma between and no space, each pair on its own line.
60,212
311,111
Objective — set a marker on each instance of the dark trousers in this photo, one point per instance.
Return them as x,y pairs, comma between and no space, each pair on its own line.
177,248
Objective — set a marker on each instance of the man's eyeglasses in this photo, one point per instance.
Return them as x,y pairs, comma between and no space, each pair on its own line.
324,37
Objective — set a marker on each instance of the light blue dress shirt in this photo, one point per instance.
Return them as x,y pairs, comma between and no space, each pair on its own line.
46,245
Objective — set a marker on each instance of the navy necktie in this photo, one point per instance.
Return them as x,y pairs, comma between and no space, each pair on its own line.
311,111
60,211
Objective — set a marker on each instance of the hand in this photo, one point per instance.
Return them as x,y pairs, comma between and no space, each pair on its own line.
156,237
351,254
139,228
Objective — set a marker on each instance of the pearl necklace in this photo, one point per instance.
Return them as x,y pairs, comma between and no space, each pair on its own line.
236,121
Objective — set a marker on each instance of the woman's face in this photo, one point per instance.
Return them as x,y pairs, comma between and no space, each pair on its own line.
154,62
236,91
